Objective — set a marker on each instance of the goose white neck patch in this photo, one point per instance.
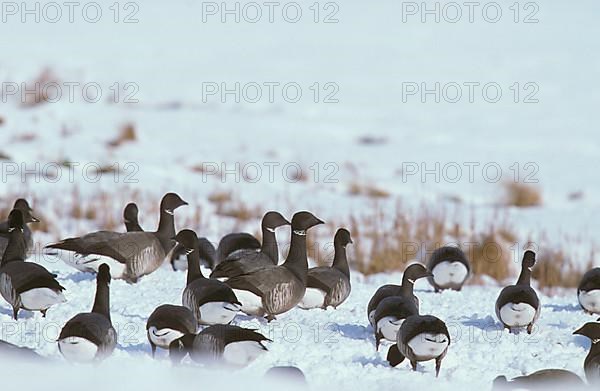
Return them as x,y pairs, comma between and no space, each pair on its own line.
270,229
169,211
300,232
189,251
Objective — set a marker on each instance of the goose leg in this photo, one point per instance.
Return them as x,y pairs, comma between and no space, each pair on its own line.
378,337
413,364
15,313
438,365
44,312
270,318
153,346
530,328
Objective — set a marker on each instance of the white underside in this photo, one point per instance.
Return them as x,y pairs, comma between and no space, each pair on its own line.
590,300
218,312
163,337
180,263
427,345
388,326
517,315
89,263
41,298
242,353
251,303
77,349
313,298
449,273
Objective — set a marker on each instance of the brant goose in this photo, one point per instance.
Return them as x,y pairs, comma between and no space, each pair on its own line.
24,207
329,286
449,268
592,361
518,305
225,344
588,292
130,217
130,255
26,285
207,253
278,289
411,274
244,261
389,316
420,338
545,378
168,323
90,336
211,301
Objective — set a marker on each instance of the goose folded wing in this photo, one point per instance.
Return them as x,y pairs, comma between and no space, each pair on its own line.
518,294
234,334
174,317
233,242
28,275
94,327
262,281
207,291
323,278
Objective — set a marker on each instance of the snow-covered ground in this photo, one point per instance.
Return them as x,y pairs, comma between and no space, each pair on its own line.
372,136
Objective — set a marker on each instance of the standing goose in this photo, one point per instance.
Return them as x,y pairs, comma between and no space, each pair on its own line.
211,301
518,305
449,268
130,217
226,344
421,338
389,316
545,378
588,292
168,323
278,289
22,205
244,261
130,255
26,285
411,274
90,336
329,286
592,361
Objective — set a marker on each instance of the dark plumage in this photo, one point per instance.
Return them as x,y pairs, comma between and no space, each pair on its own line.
449,268
592,361
130,255
167,323
588,292
25,285
90,336
389,315
278,289
543,379
130,217
220,344
248,260
411,274
518,305
206,252
211,301
24,207
421,338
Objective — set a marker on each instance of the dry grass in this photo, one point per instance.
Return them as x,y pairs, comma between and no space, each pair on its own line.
370,191
4,156
2,120
39,90
24,137
238,210
522,195
220,197
127,134
554,268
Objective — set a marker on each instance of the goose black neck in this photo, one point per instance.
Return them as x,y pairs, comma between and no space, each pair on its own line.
407,286
269,245
194,271
133,226
340,261
594,350
525,276
297,261
16,249
102,300
166,230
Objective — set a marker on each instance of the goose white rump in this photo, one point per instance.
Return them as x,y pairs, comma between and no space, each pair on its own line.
218,312
517,314
163,337
449,273
242,353
77,349
88,263
41,298
388,326
590,300
428,345
313,298
251,303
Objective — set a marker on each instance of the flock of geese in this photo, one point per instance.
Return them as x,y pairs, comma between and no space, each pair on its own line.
247,277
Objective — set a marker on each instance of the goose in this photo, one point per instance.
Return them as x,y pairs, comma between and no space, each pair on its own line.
288,374
411,274
389,316
518,305
90,336
22,205
130,217
420,338
588,292
130,255
329,286
278,289
449,268
244,261
220,344
211,301
207,253
168,323
26,285
591,365
545,378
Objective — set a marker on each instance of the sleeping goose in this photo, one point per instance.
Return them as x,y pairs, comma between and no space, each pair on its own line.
449,268
278,289
211,301
518,305
592,361
244,261
24,207
168,323
410,275
588,292
329,286
26,285
130,255
90,336
220,344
